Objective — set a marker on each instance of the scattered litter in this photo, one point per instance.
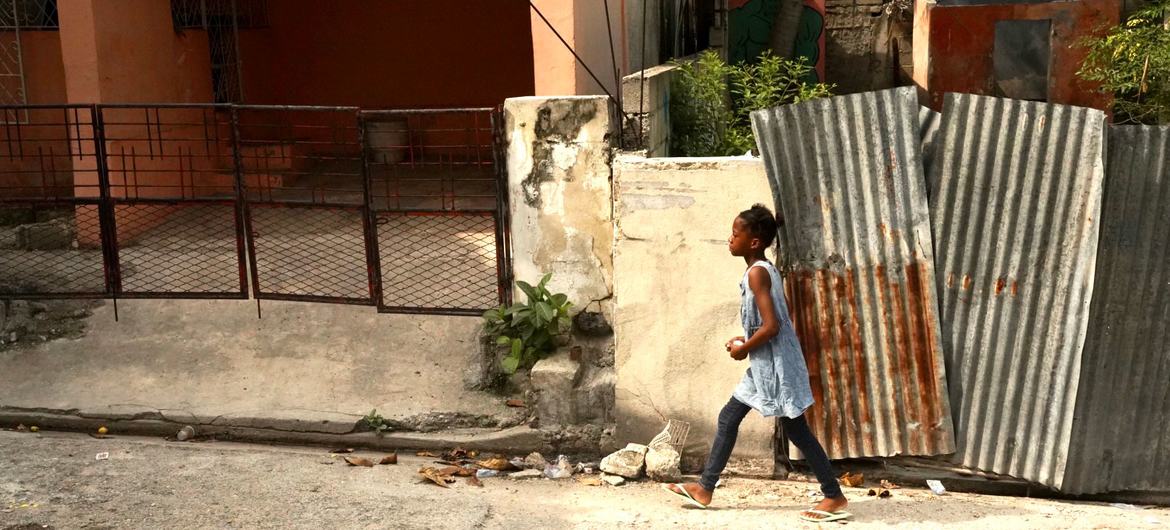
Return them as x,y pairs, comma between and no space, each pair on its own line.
527,474
586,468
103,430
881,493
673,434
590,481
433,475
34,428
936,487
21,428
1153,520
1124,506
852,480
889,485
516,403
613,480
472,481
497,463
426,454
562,469
342,450
102,456
486,473
389,459
186,433
359,461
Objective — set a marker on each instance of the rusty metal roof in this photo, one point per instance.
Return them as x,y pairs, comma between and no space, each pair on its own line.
1014,209
857,253
1121,432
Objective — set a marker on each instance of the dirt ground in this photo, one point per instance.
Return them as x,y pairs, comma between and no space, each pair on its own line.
53,480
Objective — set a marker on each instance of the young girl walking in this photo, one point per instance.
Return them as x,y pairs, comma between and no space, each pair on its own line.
776,383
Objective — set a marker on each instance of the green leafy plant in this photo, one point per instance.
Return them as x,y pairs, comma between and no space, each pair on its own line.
712,101
529,329
1131,61
376,422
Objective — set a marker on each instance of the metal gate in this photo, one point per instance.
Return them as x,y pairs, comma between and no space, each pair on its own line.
403,210
437,201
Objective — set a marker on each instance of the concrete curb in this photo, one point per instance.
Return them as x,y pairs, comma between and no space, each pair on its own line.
514,440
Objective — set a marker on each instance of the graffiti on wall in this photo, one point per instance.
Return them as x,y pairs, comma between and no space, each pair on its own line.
750,25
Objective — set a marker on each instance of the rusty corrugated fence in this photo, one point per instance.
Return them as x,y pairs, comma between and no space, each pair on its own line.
1014,208
847,175
1121,432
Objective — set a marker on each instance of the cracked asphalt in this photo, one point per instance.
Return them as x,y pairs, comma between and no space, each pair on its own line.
53,480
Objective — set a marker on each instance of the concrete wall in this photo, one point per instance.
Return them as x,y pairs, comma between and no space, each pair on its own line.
868,44
953,47
647,103
559,188
677,296
389,54
581,23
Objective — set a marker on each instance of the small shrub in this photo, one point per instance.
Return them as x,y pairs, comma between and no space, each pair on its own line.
376,422
1131,61
712,102
529,329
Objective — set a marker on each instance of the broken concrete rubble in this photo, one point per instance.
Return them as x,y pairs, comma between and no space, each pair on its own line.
662,464
628,462
613,480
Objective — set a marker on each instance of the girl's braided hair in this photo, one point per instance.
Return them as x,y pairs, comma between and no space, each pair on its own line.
761,223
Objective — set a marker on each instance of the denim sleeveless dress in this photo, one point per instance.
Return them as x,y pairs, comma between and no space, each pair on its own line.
776,382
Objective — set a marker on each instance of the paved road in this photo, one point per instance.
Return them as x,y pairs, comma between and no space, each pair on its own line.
54,479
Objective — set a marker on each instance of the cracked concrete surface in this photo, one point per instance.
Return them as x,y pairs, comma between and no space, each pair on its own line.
303,367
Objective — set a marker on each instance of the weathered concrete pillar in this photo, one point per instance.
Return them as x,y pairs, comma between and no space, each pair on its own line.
559,187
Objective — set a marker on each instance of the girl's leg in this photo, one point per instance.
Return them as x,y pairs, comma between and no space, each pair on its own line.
727,431
799,434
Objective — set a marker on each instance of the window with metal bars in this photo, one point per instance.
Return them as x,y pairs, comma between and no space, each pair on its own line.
28,15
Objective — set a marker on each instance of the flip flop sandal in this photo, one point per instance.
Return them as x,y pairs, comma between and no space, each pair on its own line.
685,495
826,517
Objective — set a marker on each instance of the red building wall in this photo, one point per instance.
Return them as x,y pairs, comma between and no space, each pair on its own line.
389,54
961,40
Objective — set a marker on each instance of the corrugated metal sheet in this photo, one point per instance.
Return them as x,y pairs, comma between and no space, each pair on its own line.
1014,209
1121,435
857,253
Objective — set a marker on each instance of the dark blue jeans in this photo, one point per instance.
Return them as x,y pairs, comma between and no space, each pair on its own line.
795,428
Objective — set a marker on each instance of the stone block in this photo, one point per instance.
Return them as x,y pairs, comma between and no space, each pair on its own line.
662,464
628,462
594,397
554,380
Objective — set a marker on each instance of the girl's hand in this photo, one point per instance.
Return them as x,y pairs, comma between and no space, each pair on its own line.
732,342
738,352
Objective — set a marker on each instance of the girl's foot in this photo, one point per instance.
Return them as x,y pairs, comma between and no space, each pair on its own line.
827,505
695,490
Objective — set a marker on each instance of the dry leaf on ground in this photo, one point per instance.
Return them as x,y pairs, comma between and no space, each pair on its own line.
433,475
426,454
359,461
517,403
455,455
342,450
880,493
389,459
458,471
498,463
852,480
589,481
474,481
889,485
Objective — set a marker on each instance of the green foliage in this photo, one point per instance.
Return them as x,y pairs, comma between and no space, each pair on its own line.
712,101
529,329
1132,62
376,422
